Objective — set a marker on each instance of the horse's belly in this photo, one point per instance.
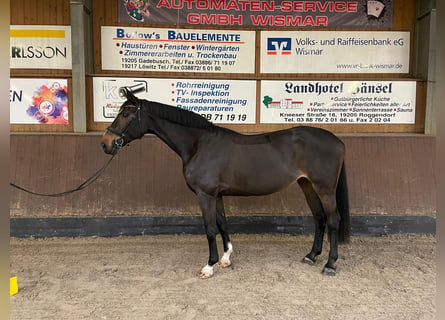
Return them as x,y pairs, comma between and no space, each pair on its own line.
256,180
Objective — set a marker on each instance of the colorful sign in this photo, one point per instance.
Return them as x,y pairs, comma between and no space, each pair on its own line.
343,102
219,101
38,101
259,14
40,47
178,50
334,52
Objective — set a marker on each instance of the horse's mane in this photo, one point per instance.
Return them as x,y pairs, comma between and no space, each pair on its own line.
177,115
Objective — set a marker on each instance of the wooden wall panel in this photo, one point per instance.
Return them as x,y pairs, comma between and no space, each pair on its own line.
387,175
42,12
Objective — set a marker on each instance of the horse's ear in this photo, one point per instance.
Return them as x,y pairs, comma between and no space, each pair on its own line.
125,92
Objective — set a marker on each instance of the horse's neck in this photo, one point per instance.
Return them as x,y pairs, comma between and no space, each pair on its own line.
179,138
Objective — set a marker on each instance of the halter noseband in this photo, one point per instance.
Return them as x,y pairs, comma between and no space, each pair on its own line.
119,143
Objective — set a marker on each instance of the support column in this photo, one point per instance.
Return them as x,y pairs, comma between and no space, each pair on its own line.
424,65
430,112
81,49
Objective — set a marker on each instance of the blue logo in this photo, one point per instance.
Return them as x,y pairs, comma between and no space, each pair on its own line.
276,46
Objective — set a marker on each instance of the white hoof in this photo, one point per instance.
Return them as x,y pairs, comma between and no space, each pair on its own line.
206,272
225,259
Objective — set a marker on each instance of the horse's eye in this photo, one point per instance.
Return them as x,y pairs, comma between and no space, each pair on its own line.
125,114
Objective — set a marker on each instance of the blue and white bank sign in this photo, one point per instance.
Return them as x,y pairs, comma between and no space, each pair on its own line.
334,52
178,50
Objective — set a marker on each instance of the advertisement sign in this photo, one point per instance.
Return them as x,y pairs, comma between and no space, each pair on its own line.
334,52
344,102
38,101
219,101
259,14
40,47
178,50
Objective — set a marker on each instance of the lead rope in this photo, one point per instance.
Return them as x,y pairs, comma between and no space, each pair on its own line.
83,185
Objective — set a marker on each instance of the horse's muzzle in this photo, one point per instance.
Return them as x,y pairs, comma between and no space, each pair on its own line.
111,143
108,149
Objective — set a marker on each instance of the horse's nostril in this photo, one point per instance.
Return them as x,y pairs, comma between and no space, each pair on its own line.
104,147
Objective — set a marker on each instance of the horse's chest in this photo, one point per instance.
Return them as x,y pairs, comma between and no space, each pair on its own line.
203,171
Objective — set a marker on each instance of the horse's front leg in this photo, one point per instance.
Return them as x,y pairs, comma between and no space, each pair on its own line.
207,204
222,227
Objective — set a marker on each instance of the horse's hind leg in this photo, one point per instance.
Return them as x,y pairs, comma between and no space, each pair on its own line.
319,219
221,222
333,222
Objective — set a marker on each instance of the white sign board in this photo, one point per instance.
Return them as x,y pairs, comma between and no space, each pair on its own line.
334,52
344,102
40,47
38,101
178,50
219,101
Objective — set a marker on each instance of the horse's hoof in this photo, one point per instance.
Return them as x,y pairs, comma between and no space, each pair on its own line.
206,272
205,275
225,263
308,261
329,272
225,259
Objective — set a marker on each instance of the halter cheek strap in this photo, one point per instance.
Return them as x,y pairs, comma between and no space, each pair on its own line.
120,141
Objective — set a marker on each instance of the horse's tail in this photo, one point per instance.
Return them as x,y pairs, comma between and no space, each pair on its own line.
343,207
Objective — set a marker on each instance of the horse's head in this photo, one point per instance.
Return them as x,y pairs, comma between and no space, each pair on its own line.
126,127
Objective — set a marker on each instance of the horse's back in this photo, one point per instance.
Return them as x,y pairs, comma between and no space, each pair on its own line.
318,141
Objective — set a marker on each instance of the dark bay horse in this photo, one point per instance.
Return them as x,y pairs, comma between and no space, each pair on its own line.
220,162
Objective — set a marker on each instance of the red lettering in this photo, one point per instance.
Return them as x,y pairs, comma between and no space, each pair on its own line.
163,3
214,19
340,7
310,6
268,6
255,6
259,20
176,6
308,21
232,5
223,19
298,6
352,6
323,7
210,19
193,18
217,4
189,3
322,21
200,4
294,21
306,6
244,4
280,20
286,6
238,20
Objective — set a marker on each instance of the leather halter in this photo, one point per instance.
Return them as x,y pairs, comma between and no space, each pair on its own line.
119,143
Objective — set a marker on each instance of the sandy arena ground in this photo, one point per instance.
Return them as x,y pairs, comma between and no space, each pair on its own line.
155,277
